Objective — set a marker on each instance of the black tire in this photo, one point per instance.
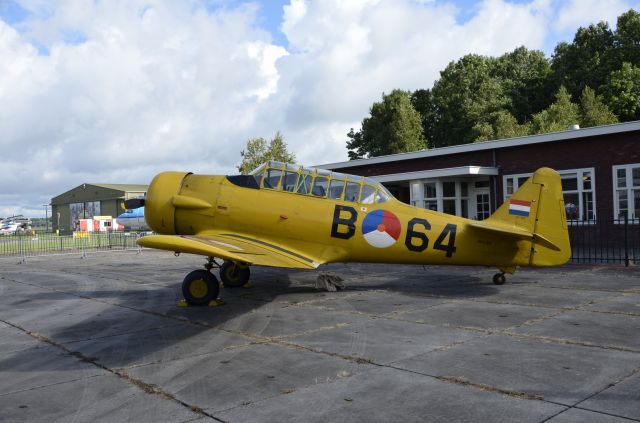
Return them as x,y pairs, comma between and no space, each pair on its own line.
234,275
200,287
499,279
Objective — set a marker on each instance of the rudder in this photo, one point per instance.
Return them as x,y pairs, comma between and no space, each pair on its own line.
538,208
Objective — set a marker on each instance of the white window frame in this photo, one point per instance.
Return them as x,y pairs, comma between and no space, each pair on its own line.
629,188
418,198
580,191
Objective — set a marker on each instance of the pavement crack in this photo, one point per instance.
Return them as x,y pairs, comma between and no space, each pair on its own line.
537,320
609,386
312,331
568,342
202,354
123,375
484,387
32,388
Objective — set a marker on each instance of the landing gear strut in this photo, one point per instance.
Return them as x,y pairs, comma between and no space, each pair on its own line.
499,278
201,287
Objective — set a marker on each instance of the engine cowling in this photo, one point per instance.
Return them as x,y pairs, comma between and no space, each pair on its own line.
159,208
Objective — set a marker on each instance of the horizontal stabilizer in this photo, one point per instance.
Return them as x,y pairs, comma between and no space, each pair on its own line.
514,232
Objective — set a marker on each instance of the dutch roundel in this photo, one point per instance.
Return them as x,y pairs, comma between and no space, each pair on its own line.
381,228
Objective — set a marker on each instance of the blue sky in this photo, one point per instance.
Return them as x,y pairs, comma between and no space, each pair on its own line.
116,91
270,16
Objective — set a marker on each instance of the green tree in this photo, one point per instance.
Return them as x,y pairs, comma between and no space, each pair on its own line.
393,126
525,76
622,92
259,151
504,125
627,38
558,116
422,101
587,61
593,111
466,96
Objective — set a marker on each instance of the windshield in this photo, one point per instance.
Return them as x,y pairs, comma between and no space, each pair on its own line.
285,176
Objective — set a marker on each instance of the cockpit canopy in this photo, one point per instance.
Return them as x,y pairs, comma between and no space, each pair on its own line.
320,183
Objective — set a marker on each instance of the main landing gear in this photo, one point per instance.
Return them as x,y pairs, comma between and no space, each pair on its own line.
201,287
234,275
499,278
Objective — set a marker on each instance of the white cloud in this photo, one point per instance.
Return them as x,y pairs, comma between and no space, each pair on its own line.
345,54
150,86
130,88
575,13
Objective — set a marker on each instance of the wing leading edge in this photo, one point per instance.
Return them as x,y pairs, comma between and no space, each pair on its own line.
230,246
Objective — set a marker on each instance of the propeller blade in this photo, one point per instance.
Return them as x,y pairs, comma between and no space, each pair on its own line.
133,203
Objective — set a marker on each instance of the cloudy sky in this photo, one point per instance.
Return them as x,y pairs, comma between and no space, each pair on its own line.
115,91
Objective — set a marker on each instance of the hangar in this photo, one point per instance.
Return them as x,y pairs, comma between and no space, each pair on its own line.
599,167
89,200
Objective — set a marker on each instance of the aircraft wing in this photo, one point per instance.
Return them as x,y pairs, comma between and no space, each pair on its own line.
513,232
231,246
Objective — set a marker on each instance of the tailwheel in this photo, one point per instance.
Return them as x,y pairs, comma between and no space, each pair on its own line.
499,279
200,287
234,275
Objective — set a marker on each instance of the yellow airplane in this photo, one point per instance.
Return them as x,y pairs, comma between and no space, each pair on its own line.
290,216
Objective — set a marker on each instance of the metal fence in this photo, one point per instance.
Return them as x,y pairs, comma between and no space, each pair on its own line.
40,244
605,241
593,242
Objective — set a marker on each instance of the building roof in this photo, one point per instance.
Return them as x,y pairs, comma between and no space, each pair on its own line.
106,190
124,187
489,145
438,173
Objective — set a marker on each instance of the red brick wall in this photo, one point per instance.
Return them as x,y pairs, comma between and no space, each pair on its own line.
599,152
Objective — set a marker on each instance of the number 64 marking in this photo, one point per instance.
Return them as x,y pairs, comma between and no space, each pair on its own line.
418,241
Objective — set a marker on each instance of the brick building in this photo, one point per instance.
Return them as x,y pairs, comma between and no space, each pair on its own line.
599,166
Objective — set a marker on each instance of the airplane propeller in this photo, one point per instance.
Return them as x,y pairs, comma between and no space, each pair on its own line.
133,203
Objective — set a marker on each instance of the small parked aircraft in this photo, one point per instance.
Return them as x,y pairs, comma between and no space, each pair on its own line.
284,215
133,219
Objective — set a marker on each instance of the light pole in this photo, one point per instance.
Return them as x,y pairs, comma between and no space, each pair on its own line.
46,217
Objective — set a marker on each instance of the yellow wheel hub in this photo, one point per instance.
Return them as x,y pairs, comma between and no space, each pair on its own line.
198,288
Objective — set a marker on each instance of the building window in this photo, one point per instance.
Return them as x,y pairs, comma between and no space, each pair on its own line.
449,197
83,211
464,199
577,189
430,196
92,208
415,194
446,196
626,182
76,212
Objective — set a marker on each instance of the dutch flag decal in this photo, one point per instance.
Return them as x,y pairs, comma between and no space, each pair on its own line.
519,207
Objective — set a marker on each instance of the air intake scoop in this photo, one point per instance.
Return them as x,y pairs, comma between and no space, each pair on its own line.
186,202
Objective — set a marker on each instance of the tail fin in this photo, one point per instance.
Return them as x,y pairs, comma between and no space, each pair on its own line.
536,211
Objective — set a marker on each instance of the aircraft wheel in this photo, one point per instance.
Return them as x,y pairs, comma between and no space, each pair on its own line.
200,287
234,275
499,279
